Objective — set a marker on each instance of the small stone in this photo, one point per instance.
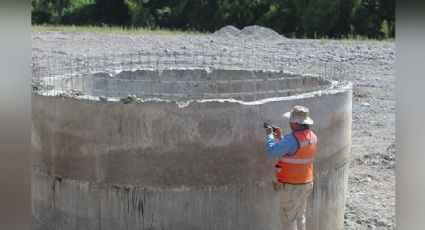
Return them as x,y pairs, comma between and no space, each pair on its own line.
381,222
129,99
75,92
64,95
49,87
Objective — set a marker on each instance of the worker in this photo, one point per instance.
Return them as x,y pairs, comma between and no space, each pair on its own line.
294,173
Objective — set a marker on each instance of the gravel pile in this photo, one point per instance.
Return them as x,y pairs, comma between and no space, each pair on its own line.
227,32
259,32
248,33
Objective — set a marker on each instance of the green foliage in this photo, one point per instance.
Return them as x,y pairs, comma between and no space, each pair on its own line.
81,15
112,12
140,16
366,19
49,11
369,16
39,16
281,15
324,17
300,18
385,28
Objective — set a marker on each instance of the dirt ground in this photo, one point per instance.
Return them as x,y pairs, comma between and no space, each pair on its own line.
371,191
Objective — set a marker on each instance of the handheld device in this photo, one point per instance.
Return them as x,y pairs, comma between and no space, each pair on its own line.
268,125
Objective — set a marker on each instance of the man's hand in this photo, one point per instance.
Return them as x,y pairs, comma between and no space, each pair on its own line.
278,133
268,130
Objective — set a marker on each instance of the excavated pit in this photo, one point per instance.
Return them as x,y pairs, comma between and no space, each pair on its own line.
104,164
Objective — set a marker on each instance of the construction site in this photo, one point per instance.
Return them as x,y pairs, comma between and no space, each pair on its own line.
165,132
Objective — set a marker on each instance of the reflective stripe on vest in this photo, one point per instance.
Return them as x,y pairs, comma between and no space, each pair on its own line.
297,160
307,143
301,160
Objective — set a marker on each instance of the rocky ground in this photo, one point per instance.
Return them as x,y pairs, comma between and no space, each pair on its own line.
371,188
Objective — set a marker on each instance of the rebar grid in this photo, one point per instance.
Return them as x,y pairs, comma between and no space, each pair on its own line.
76,68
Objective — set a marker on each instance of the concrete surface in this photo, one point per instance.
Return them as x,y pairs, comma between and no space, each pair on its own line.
190,84
158,165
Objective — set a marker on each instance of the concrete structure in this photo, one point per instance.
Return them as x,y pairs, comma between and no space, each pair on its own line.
188,155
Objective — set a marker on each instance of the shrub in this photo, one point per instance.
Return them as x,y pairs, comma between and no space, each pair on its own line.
41,17
82,15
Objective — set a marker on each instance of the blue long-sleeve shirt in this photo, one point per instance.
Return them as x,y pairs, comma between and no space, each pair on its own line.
287,146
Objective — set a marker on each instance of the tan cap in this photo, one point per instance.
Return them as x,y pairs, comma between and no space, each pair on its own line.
299,114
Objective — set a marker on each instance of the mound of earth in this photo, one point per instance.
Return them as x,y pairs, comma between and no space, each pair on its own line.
227,31
249,32
259,32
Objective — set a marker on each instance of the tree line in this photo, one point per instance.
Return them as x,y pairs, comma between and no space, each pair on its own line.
295,18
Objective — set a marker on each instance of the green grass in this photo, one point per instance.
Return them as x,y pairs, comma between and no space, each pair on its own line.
350,38
355,38
111,30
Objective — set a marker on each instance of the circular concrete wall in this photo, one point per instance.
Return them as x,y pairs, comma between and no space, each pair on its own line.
191,84
160,164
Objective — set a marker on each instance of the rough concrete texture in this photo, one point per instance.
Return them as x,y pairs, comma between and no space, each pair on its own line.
191,84
157,165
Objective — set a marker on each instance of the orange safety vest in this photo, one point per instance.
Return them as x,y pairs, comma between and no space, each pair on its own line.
298,168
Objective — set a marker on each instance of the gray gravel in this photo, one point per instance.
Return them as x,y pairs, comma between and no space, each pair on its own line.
371,193
247,33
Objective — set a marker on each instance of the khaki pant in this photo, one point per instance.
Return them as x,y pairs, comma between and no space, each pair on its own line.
293,202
